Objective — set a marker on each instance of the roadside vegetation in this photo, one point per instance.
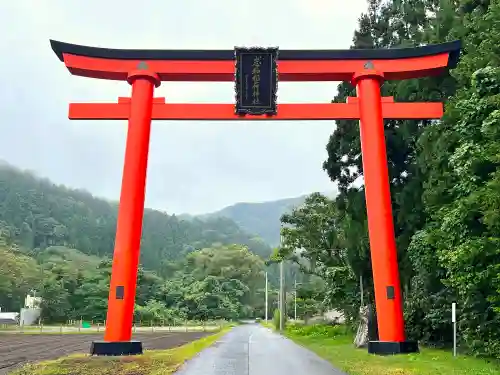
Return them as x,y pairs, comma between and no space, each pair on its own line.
445,185
335,344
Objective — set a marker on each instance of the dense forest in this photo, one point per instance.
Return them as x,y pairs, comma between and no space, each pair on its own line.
445,182
224,282
58,243
35,214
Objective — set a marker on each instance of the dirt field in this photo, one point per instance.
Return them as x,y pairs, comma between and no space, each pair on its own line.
17,349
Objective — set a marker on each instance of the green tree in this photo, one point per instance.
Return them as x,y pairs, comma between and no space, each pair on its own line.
19,274
316,237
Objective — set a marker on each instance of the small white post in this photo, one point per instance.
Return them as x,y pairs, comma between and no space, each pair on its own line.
454,321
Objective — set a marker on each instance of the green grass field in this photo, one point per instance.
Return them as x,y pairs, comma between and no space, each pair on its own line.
333,344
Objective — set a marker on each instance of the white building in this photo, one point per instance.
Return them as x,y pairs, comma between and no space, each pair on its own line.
9,318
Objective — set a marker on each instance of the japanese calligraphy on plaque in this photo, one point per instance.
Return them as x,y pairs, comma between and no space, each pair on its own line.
256,81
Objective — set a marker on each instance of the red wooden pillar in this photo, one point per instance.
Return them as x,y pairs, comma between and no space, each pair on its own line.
388,297
119,321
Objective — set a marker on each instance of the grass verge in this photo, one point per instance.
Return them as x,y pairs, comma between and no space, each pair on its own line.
336,346
152,362
267,324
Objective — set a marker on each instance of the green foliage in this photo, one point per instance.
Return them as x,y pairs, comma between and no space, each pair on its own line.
317,330
460,159
190,270
18,275
277,319
222,282
323,233
310,299
444,179
155,312
214,283
336,347
464,236
36,214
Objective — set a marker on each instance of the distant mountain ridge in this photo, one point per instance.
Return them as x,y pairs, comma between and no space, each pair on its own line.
261,218
36,214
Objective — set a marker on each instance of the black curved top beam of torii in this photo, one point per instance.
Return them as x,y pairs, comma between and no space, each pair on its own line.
293,65
452,48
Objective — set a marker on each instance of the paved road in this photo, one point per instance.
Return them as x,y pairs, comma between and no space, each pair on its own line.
254,350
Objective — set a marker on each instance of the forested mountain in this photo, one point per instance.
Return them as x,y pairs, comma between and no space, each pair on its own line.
262,218
58,242
445,181
35,214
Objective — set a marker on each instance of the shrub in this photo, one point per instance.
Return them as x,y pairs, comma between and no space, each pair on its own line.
276,319
318,330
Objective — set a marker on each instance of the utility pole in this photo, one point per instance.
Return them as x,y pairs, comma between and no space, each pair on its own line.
295,299
279,292
281,297
282,286
266,298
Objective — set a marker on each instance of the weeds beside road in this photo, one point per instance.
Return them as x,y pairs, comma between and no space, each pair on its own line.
335,344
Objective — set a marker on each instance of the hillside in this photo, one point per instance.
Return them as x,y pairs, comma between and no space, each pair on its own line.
261,218
73,285
36,214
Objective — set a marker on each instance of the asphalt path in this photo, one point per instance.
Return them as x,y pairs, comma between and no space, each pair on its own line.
254,350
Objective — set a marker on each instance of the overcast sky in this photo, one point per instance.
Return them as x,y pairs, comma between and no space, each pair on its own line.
193,167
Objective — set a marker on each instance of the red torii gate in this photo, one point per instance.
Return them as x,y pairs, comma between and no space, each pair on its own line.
145,69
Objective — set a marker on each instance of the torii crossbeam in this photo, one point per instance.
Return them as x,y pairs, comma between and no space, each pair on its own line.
220,112
256,73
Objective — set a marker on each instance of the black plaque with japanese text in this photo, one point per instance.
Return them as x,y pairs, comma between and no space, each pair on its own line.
256,80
